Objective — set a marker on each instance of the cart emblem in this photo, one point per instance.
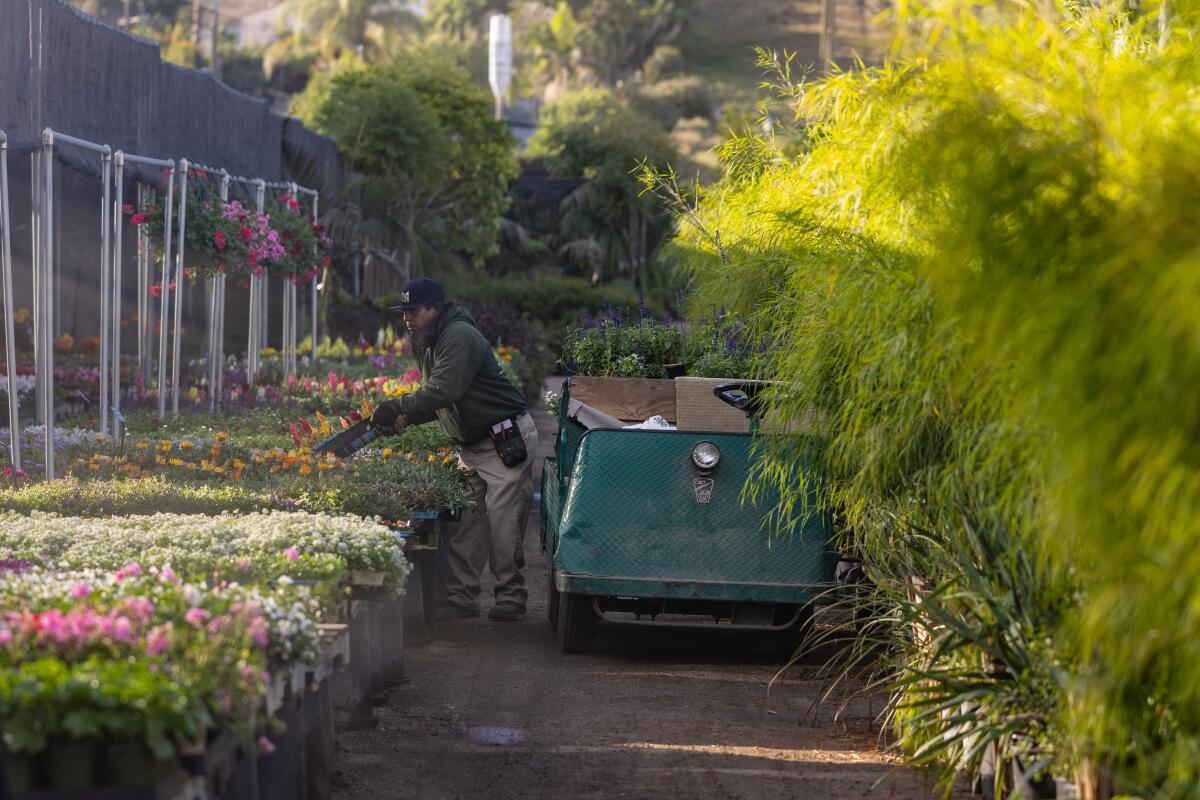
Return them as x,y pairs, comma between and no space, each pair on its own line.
704,489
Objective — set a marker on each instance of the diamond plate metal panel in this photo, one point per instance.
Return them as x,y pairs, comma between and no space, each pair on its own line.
640,519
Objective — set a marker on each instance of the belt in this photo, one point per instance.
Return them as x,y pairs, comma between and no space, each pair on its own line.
515,420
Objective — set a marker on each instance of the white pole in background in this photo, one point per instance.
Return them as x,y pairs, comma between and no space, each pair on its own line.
10,351
500,54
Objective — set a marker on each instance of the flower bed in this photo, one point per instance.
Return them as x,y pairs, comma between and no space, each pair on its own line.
140,657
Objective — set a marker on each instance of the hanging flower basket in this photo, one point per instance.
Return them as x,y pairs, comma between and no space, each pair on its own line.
299,249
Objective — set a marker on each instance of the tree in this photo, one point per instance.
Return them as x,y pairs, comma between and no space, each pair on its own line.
369,28
606,225
617,36
430,166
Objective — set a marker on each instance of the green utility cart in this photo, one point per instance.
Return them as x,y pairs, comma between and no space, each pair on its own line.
649,526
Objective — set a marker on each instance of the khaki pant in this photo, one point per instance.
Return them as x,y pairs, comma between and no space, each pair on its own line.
494,530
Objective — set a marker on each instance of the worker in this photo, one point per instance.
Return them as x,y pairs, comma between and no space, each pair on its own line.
485,416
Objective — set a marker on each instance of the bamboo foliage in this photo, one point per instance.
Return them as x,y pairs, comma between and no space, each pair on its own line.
983,270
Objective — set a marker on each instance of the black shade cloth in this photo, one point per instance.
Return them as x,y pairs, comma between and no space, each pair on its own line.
64,70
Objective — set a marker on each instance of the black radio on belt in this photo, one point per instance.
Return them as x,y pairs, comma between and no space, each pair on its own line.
510,445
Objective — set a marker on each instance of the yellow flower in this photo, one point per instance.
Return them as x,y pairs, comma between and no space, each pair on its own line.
447,460
175,462
387,452
305,469
142,446
431,458
187,445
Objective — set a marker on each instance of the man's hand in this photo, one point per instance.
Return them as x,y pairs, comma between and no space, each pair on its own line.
387,415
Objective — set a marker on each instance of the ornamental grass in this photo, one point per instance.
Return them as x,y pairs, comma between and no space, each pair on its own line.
978,262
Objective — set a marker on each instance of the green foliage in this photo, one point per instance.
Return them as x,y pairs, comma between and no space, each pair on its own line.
605,226
665,62
98,699
617,36
980,277
613,346
332,28
673,99
432,166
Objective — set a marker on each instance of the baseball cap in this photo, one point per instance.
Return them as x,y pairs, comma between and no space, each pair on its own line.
420,292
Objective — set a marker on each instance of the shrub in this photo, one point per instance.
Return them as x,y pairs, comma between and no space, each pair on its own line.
668,101
665,62
981,275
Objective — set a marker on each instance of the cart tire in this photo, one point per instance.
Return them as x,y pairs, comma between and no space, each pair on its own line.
552,601
576,623
791,638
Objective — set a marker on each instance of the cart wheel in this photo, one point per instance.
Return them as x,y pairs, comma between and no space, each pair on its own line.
789,640
552,601
576,623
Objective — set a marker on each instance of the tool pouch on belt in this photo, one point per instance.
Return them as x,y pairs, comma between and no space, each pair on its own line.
510,445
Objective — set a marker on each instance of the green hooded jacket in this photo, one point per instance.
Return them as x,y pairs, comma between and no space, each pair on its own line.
464,386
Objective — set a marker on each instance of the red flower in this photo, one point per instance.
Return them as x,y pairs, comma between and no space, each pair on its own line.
245,235
127,208
220,240
318,229
137,219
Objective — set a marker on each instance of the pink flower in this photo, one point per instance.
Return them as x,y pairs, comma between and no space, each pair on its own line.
132,569
249,672
196,616
5,636
244,564
80,591
167,574
141,608
292,554
122,631
159,639
265,746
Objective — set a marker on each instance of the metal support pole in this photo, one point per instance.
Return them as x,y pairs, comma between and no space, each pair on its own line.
120,158
106,281
164,304
258,306
144,329
45,322
183,178
316,279
216,324
10,349
118,230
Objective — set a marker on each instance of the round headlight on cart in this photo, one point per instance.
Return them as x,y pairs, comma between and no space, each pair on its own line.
706,455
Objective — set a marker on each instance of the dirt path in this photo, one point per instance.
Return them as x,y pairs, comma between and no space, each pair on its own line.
493,710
